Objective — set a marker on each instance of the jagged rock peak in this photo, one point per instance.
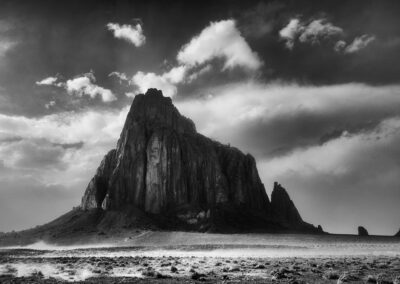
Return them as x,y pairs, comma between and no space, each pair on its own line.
283,208
157,111
362,231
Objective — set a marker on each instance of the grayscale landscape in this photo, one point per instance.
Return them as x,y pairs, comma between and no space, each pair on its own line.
176,141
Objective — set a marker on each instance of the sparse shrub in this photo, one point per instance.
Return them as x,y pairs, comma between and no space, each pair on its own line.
331,274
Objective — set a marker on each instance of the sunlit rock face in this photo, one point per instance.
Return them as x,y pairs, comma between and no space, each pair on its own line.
162,166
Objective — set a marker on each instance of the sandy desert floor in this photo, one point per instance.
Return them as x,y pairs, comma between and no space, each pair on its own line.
174,257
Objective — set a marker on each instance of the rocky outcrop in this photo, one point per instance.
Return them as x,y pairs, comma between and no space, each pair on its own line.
283,208
398,234
98,186
362,231
162,166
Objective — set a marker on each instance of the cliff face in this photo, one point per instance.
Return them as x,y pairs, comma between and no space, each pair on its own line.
162,166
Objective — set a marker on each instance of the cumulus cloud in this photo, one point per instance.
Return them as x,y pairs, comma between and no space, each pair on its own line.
82,85
176,74
290,32
121,76
145,81
358,43
313,32
220,40
165,82
319,29
132,34
47,81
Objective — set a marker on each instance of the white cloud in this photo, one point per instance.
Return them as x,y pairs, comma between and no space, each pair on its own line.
132,34
312,33
290,32
97,130
47,81
83,85
165,82
50,104
319,29
359,43
121,76
130,95
144,81
220,40
176,74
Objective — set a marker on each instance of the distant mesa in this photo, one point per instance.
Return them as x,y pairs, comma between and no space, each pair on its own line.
163,174
362,231
398,234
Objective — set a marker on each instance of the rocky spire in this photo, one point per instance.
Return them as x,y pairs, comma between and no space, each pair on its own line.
283,208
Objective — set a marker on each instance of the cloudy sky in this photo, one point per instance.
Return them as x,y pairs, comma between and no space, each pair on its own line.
310,88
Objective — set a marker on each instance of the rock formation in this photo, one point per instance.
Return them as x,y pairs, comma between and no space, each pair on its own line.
162,166
362,231
397,234
283,209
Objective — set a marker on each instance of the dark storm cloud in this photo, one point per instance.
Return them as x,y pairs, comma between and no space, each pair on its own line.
272,120
261,19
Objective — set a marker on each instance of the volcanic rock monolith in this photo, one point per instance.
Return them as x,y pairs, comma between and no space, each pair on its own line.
163,167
